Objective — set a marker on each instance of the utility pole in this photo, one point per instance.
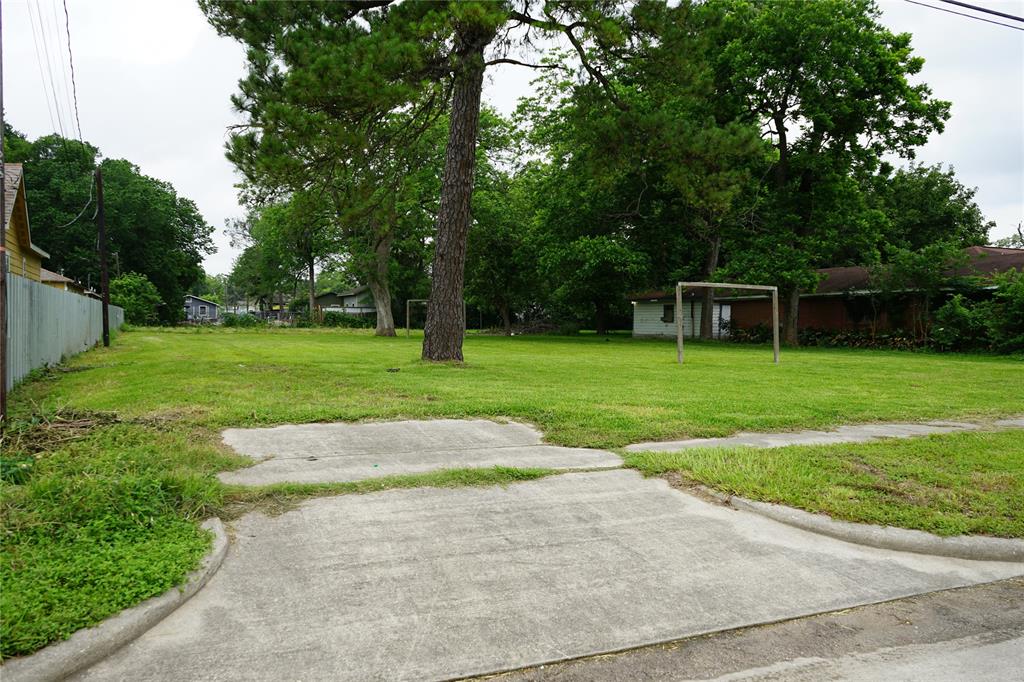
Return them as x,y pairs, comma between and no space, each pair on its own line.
101,219
3,241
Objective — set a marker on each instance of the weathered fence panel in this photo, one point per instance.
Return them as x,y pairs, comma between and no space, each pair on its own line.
45,325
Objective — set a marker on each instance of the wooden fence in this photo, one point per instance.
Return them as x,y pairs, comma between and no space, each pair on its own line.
46,325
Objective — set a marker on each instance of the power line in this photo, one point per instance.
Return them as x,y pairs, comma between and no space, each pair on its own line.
49,69
39,63
993,12
962,14
71,61
60,63
92,183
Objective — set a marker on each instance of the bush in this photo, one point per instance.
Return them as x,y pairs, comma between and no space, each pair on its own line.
1004,314
759,333
959,325
243,320
841,338
137,296
335,319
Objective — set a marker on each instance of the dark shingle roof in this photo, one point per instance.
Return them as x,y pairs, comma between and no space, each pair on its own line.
983,261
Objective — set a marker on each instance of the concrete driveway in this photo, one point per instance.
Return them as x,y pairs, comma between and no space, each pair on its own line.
433,584
322,453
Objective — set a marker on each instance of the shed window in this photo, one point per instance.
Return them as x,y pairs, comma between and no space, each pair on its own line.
668,313
202,310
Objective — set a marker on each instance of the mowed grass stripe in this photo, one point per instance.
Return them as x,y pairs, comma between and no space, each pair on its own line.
586,391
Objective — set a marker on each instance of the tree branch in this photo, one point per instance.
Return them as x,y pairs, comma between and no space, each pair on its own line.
516,62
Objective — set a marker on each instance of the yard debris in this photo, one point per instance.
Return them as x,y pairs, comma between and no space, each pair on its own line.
45,431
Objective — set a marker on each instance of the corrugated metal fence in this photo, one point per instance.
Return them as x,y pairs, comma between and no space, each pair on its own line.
45,325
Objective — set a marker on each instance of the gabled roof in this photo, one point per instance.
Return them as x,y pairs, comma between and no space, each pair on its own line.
201,299
14,199
50,276
348,292
983,261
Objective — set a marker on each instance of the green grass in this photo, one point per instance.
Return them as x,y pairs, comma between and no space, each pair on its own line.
585,391
108,464
954,484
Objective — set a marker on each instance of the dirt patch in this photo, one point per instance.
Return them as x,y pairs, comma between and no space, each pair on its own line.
692,487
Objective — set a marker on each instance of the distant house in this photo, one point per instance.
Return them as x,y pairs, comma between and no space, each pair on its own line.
200,310
358,301
59,281
24,259
844,300
654,315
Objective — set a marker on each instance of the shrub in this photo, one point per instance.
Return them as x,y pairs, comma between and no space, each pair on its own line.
1004,314
841,338
137,296
335,319
959,325
758,333
242,320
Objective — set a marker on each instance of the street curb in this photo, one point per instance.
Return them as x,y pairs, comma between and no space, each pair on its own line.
91,645
976,548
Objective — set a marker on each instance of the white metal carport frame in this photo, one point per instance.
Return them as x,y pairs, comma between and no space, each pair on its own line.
722,285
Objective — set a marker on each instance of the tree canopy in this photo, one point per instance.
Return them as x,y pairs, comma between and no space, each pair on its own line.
723,139
152,230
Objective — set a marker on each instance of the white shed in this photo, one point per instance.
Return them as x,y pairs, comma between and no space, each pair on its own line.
655,318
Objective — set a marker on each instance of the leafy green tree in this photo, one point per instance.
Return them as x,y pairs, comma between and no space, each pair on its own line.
927,204
347,66
138,297
501,268
831,86
591,274
921,275
679,156
151,230
212,288
1014,241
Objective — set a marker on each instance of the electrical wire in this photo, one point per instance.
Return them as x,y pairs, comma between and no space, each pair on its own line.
61,65
49,69
39,63
92,184
71,62
962,14
995,13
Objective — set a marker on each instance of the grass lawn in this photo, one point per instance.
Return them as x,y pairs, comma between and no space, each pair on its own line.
954,484
108,463
586,391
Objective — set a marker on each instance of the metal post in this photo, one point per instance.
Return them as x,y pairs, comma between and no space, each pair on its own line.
407,302
3,245
679,323
101,218
775,323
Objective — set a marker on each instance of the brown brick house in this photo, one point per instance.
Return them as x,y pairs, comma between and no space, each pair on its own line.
844,300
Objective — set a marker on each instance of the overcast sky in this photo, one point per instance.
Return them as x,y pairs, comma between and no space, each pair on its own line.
154,82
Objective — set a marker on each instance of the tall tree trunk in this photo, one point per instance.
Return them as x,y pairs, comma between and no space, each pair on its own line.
791,328
506,318
707,311
601,317
312,291
379,287
445,326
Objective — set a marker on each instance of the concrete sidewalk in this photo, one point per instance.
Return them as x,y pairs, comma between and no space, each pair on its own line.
320,453
965,635
430,584
854,433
